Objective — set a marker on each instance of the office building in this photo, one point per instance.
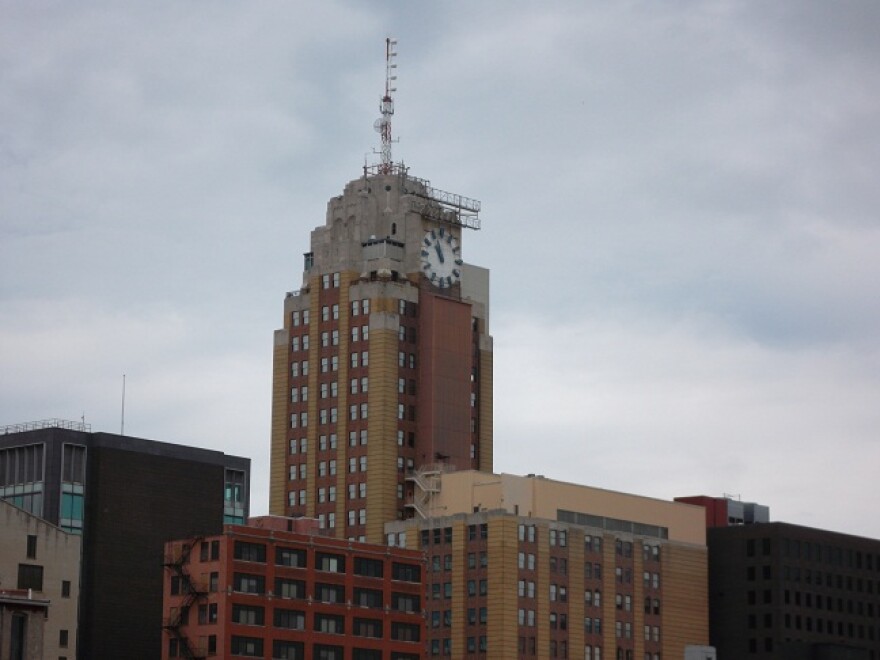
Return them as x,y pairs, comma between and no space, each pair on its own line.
126,497
529,567
384,362
39,587
275,588
778,590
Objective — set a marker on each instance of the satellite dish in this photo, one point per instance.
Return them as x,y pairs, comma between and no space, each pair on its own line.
379,124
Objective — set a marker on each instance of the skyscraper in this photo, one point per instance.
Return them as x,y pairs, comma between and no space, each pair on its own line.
384,363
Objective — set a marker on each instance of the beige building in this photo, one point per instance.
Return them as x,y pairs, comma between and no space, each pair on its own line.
39,570
384,361
528,567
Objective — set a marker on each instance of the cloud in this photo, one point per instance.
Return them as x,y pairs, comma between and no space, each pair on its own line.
679,198
642,405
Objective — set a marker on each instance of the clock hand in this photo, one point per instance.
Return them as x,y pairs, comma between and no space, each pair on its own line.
439,252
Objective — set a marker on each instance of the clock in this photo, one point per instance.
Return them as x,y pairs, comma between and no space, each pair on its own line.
441,258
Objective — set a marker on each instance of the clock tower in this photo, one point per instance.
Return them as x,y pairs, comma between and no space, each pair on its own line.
382,370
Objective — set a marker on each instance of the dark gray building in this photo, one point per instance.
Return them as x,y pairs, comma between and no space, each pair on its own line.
784,591
126,496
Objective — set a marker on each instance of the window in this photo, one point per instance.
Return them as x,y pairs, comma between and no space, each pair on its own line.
368,567
405,632
330,623
406,572
248,646
282,650
290,588
31,546
207,614
63,637
327,652
249,615
329,593
65,588
291,619
329,562
30,577
249,584
406,602
293,557
367,597
250,551
367,628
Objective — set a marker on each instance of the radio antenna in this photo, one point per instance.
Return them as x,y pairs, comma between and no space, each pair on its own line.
386,107
122,424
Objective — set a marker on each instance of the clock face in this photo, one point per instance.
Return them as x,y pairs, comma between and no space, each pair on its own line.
441,258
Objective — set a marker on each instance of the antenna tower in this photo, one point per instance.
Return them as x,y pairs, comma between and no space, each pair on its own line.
386,107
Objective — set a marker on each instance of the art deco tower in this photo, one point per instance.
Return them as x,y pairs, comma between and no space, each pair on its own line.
384,364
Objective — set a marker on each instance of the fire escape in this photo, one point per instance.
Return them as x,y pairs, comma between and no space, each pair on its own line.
426,483
176,624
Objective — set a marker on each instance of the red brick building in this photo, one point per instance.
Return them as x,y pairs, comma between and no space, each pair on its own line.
262,591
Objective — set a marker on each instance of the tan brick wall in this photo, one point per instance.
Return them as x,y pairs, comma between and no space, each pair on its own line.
609,589
685,601
575,592
459,591
342,404
382,500
280,423
501,601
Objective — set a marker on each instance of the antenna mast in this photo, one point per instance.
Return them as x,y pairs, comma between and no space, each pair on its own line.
386,107
122,424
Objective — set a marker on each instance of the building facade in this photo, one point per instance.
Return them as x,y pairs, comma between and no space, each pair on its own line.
263,591
125,497
39,586
528,567
784,591
384,363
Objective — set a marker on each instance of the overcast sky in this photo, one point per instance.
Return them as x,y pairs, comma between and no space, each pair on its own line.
680,215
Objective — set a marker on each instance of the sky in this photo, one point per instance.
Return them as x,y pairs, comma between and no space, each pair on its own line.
677,211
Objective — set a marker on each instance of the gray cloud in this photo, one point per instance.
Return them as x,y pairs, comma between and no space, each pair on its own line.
678,199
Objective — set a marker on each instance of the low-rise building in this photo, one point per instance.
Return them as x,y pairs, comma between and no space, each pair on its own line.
39,586
275,588
529,567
